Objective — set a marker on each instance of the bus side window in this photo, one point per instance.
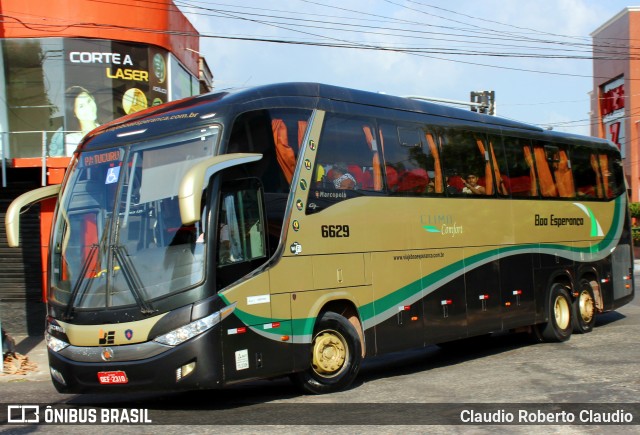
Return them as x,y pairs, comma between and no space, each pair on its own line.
466,164
520,179
546,160
612,176
347,163
558,157
586,173
553,170
240,227
288,126
409,162
276,134
498,165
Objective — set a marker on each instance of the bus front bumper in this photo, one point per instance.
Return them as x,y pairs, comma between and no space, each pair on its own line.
195,364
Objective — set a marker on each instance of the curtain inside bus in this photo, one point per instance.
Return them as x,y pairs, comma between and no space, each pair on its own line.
563,176
375,164
437,168
488,173
595,161
284,153
547,185
532,170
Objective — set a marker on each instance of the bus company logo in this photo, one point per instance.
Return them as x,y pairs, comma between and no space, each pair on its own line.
569,221
441,224
106,337
128,334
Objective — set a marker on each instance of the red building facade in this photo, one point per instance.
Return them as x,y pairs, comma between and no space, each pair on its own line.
615,101
67,66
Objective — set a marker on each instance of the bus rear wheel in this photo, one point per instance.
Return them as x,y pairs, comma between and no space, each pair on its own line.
584,309
559,326
336,353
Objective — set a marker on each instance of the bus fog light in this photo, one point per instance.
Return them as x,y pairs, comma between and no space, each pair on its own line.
58,376
185,370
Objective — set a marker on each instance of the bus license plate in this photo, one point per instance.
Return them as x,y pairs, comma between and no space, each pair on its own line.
117,377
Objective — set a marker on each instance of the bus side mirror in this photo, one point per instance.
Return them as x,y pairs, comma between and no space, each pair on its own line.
196,179
12,218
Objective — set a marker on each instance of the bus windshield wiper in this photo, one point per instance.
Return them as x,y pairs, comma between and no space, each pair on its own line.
131,277
81,282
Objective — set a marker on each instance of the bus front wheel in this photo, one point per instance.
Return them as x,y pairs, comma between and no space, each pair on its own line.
584,309
559,326
335,357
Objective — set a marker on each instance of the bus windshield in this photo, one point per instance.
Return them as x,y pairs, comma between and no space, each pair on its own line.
119,240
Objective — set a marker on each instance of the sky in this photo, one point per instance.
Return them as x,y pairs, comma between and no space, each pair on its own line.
535,54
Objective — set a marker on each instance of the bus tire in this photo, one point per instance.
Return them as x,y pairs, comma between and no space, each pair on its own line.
336,353
559,326
584,309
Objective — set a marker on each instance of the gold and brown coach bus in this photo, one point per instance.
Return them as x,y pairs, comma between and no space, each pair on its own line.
295,229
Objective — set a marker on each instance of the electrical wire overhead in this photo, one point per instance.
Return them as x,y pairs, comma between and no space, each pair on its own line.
424,31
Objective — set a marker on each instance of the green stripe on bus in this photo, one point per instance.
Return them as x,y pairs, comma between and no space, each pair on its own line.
304,326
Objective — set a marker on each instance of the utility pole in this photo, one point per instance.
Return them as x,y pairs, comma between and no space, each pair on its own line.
484,102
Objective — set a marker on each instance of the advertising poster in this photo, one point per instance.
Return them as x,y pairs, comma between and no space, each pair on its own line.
612,103
105,80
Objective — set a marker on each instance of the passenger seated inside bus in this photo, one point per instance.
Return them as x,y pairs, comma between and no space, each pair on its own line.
392,178
341,177
414,180
454,184
471,186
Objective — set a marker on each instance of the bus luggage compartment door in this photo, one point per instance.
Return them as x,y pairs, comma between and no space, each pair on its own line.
482,285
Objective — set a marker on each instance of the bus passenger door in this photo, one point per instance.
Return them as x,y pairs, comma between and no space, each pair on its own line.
256,338
482,284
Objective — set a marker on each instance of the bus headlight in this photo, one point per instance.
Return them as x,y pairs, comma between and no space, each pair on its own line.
55,344
195,328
